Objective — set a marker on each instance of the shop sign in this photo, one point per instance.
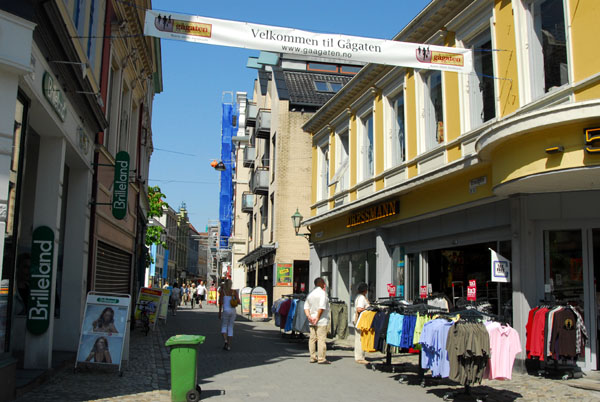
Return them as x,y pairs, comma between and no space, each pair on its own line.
163,309
54,96
423,292
500,268
120,185
246,292
375,212
103,329
40,280
284,275
592,140
391,290
472,290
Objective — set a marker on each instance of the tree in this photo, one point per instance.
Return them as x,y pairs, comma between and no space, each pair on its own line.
154,233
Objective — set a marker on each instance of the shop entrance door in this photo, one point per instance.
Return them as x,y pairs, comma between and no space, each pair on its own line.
571,265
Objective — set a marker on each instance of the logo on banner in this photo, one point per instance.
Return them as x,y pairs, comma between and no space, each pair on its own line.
424,55
166,24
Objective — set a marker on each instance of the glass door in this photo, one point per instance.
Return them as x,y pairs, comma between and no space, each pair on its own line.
571,264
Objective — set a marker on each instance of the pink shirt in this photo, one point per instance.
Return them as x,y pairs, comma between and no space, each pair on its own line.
505,345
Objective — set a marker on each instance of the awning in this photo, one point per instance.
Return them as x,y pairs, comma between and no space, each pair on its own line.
257,254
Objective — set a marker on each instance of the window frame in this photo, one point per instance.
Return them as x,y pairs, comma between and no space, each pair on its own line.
343,180
390,121
366,170
323,171
428,135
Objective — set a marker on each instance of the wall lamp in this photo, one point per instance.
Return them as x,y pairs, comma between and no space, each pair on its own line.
219,166
297,222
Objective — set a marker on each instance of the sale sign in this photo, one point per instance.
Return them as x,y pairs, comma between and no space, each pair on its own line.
423,292
391,290
471,293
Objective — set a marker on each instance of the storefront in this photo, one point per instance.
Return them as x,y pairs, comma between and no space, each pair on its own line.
551,259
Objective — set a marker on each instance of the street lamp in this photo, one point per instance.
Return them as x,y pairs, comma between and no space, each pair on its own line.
220,166
297,222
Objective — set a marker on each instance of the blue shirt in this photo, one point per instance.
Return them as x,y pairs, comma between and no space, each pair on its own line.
433,346
394,331
290,317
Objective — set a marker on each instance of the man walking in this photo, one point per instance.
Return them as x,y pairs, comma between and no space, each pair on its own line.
316,309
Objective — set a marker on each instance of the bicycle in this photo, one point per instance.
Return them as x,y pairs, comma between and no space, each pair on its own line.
145,311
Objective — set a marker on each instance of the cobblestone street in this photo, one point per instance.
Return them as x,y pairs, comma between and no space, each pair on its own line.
264,366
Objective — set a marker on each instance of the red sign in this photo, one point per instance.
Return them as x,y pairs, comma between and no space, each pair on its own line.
471,293
391,290
302,287
473,283
423,292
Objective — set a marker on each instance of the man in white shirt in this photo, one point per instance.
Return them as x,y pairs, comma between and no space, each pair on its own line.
316,309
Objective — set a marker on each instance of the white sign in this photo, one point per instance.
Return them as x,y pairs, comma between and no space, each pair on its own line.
103,329
213,31
500,268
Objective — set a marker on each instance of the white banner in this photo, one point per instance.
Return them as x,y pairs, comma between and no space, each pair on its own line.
500,268
213,31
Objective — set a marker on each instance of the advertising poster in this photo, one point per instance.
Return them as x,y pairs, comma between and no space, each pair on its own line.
149,300
164,304
500,268
212,295
245,296
259,303
103,330
284,274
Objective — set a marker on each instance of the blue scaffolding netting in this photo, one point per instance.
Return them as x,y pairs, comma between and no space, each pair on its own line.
226,193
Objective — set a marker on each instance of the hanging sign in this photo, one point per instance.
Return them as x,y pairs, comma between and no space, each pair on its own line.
423,292
500,268
54,96
391,289
40,280
213,31
120,185
103,329
472,290
284,274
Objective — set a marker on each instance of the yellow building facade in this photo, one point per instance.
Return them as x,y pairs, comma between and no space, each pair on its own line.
429,170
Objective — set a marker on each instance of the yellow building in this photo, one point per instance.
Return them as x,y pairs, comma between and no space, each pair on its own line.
418,173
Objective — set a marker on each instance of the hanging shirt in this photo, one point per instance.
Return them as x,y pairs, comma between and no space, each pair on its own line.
394,331
505,345
408,330
537,333
290,316
433,346
367,334
564,334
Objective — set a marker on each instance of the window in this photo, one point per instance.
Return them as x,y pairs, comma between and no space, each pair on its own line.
324,172
366,146
548,45
267,154
433,111
324,86
397,130
274,153
330,68
349,70
272,215
78,15
124,120
342,176
481,84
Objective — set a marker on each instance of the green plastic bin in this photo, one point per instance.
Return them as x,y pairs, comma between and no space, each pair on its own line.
184,363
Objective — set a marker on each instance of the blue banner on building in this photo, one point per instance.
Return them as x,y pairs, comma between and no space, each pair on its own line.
166,265
153,263
226,193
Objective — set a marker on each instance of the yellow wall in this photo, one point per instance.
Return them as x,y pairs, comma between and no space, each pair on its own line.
451,96
584,17
453,153
525,155
449,192
411,115
504,33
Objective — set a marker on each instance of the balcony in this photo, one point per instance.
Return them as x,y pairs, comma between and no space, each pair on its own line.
251,114
259,181
263,124
247,202
249,156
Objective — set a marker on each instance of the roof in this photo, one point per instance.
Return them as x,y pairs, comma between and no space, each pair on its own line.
301,89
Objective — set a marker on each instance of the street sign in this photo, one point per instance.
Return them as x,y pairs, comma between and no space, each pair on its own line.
40,280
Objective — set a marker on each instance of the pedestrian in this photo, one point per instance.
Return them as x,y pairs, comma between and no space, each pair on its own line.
175,298
228,301
193,293
201,293
360,304
316,308
185,293
166,285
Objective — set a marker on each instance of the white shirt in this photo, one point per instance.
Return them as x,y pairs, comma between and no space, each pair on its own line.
316,300
201,290
361,302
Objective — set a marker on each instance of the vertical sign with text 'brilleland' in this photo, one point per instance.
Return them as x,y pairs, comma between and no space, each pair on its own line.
120,185
40,280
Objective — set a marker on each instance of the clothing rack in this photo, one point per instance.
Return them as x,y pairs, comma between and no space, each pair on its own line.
294,335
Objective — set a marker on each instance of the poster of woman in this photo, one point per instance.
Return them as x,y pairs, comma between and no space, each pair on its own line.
105,319
100,349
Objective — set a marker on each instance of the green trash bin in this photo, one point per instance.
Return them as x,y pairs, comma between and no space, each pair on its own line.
184,364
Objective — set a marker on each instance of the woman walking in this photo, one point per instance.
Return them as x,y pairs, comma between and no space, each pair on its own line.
228,301
360,304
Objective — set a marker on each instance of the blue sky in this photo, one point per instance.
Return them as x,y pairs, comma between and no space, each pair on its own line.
186,120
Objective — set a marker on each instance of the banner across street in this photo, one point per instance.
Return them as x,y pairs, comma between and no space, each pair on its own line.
214,31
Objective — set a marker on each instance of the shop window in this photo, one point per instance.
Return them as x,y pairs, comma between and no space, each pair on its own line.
398,271
366,146
326,274
547,45
433,110
397,130
481,84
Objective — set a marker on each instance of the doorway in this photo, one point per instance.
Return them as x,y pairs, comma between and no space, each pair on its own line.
571,268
